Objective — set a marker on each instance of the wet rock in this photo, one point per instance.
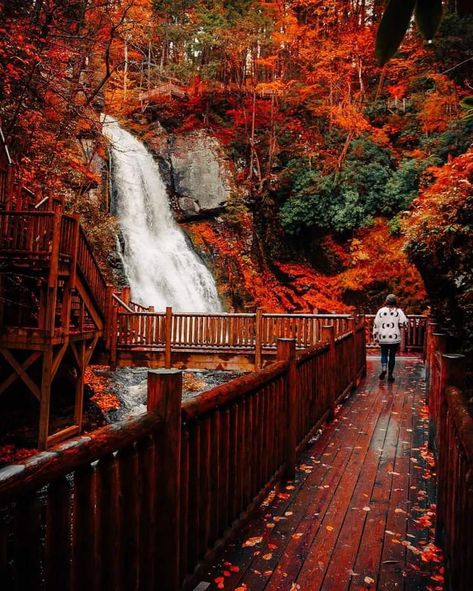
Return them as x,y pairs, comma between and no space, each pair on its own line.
200,173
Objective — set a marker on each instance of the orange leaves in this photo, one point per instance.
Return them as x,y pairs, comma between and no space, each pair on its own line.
105,399
10,454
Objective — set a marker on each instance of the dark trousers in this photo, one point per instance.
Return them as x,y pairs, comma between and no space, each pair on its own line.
388,355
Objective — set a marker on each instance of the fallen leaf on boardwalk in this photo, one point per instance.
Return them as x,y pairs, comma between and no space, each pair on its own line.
227,573
297,536
267,556
219,582
288,513
283,496
394,473
438,578
268,573
389,532
399,510
329,528
235,569
424,521
270,525
242,588
366,508
368,580
352,573
410,547
272,546
295,587
252,541
290,487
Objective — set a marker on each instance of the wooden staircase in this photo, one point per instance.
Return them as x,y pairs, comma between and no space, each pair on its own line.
54,306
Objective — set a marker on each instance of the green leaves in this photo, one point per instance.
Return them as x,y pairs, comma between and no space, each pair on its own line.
395,22
467,105
428,14
392,28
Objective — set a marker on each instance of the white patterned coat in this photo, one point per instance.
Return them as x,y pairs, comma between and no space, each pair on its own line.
387,325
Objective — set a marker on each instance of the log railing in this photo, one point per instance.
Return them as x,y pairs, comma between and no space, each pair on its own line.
85,515
413,337
145,502
452,427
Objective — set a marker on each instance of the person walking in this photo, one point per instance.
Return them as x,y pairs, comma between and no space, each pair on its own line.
387,327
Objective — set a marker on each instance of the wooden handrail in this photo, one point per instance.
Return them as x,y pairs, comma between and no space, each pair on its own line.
227,393
229,447
122,303
63,459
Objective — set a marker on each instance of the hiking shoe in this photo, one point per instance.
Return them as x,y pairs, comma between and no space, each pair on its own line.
390,378
382,375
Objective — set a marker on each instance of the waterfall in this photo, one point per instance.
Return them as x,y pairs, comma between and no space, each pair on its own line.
161,267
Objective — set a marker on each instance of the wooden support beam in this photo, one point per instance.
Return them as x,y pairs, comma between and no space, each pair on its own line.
79,389
45,398
86,300
20,372
165,398
258,335
71,280
328,334
168,337
287,352
58,357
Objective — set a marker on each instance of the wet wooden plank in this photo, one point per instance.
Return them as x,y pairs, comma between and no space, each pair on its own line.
317,533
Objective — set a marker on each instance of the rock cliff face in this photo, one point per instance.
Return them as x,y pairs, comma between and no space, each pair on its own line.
195,169
201,180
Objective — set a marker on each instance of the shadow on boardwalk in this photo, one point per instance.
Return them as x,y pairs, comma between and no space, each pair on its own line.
359,513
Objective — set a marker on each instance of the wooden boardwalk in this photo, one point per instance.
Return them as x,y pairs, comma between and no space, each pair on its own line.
358,515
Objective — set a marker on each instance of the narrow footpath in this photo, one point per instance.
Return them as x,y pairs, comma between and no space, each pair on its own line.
361,511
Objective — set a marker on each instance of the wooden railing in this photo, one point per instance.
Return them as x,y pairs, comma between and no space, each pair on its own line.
26,233
142,504
452,430
31,233
235,331
91,272
413,337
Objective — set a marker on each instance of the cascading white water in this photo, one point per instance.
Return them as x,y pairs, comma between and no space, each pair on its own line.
161,268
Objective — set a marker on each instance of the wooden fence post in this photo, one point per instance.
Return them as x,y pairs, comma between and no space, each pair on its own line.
287,351
354,356
431,328
258,330
125,296
168,337
452,373
328,334
363,344
114,328
165,398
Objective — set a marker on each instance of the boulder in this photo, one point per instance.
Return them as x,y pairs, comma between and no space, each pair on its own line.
200,173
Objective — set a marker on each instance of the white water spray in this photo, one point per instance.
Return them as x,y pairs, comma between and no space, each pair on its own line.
161,268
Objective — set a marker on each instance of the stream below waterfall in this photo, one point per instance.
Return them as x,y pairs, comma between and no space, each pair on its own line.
161,267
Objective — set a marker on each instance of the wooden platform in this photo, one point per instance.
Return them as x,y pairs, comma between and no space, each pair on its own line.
358,514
